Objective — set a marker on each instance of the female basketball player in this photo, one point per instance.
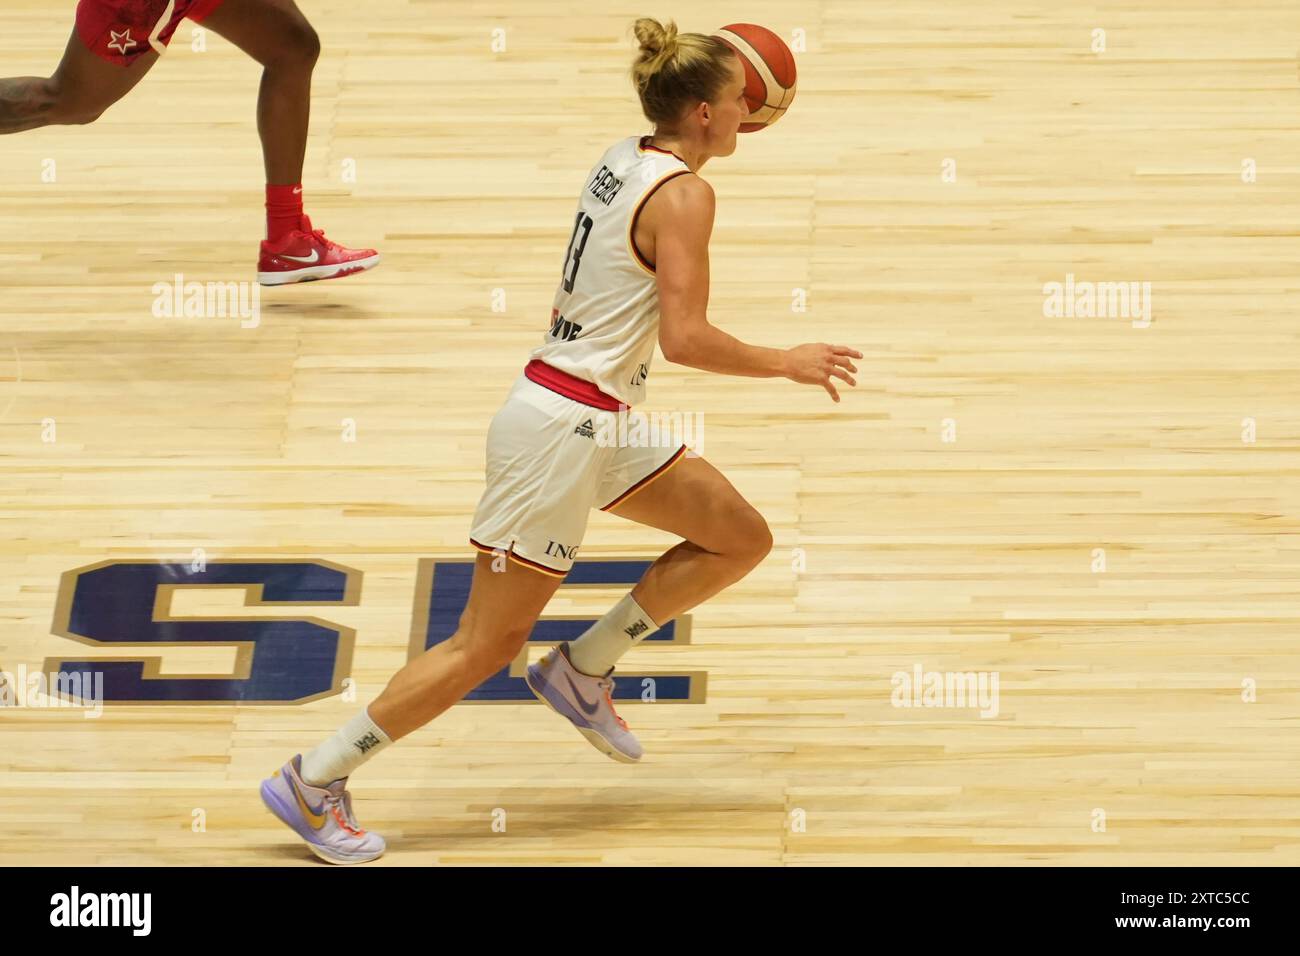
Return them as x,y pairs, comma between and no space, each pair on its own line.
116,42
637,271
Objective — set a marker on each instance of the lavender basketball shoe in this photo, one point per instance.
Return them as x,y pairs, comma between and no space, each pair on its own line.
320,815
585,701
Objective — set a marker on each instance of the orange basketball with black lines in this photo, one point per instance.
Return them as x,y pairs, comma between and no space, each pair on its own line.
769,72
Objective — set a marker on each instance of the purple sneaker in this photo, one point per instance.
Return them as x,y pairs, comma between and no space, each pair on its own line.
320,815
585,701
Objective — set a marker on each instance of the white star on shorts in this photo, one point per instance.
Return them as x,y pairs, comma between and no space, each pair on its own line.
120,41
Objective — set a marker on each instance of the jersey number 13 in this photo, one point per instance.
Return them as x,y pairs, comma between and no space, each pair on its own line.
574,255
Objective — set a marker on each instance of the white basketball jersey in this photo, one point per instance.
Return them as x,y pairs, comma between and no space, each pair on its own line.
605,318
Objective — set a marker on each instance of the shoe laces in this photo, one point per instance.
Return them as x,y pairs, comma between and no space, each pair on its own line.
340,807
607,685
319,236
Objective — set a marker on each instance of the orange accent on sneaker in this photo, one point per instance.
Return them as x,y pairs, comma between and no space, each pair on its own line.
344,823
610,700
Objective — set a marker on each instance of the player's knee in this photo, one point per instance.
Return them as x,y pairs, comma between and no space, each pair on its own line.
83,117
488,649
302,43
753,537
67,110
500,649
51,102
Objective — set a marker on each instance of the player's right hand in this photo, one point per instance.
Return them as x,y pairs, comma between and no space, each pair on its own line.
817,364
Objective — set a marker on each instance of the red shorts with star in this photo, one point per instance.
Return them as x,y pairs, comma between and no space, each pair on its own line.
122,30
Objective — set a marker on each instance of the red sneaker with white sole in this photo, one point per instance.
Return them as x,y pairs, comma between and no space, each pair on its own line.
305,254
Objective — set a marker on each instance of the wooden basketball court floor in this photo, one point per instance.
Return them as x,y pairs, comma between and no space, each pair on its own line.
1072,504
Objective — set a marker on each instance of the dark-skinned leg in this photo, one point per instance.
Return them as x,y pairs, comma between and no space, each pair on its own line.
277,35
81,89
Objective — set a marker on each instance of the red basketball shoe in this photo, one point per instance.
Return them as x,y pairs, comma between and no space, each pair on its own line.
305,254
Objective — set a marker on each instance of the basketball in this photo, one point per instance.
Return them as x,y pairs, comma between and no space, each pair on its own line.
769,72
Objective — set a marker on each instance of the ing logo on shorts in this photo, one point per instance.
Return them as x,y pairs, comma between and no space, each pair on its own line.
557,550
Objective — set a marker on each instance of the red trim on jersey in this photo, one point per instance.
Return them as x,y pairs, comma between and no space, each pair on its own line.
645,143
570,386
636,214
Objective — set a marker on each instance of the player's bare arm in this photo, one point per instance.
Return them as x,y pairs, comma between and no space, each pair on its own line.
674,230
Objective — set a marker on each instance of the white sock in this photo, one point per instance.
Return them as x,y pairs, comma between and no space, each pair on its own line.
356,742
602,644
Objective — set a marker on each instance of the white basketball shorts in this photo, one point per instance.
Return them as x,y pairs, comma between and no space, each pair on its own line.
550,460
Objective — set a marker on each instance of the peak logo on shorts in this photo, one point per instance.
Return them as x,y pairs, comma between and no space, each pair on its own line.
131,910
586,429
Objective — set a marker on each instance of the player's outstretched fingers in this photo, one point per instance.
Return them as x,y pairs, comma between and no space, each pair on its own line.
843,356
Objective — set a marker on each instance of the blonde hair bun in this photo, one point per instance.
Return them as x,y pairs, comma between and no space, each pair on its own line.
654,38
673,71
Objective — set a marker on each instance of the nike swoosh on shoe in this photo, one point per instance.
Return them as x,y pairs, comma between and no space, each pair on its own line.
315,818
588,709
